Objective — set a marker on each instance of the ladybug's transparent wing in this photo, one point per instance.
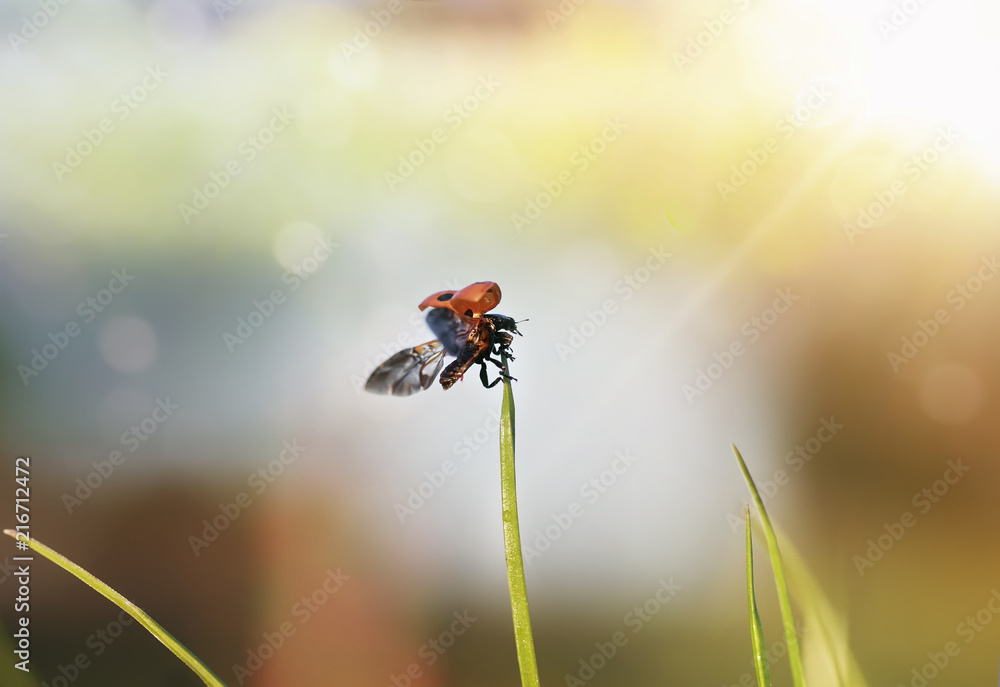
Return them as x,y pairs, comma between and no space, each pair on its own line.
450,328
409,371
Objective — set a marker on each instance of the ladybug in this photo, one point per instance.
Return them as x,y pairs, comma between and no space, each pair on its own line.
464,330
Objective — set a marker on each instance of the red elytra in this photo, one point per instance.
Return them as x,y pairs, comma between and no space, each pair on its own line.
474,300
437,300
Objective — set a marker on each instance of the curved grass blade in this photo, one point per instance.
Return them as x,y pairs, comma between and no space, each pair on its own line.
512,540
784,601
756,628
154,628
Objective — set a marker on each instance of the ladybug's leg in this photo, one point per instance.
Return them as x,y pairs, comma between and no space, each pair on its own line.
503,374
498,349
496,381
495,362
500,365
485,379
483,376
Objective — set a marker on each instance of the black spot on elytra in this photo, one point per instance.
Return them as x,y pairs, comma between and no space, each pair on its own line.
445,296
468,312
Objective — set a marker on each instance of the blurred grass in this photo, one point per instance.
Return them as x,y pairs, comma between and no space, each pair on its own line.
102,588
829,660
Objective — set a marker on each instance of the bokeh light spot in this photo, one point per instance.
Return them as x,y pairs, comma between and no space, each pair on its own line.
128,344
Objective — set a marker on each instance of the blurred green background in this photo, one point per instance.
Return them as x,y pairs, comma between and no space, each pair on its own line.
768,222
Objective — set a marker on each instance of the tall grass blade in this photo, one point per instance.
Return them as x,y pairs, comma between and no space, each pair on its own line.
756,628
154,628
512,540
784,601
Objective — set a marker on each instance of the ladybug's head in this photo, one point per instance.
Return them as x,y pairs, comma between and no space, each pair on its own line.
473,301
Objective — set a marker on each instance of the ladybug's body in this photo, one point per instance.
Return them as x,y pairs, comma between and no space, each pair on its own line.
488,332
464,329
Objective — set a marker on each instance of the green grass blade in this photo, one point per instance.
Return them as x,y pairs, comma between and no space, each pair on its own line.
154,628
512,540
756,628
784,601
829,661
